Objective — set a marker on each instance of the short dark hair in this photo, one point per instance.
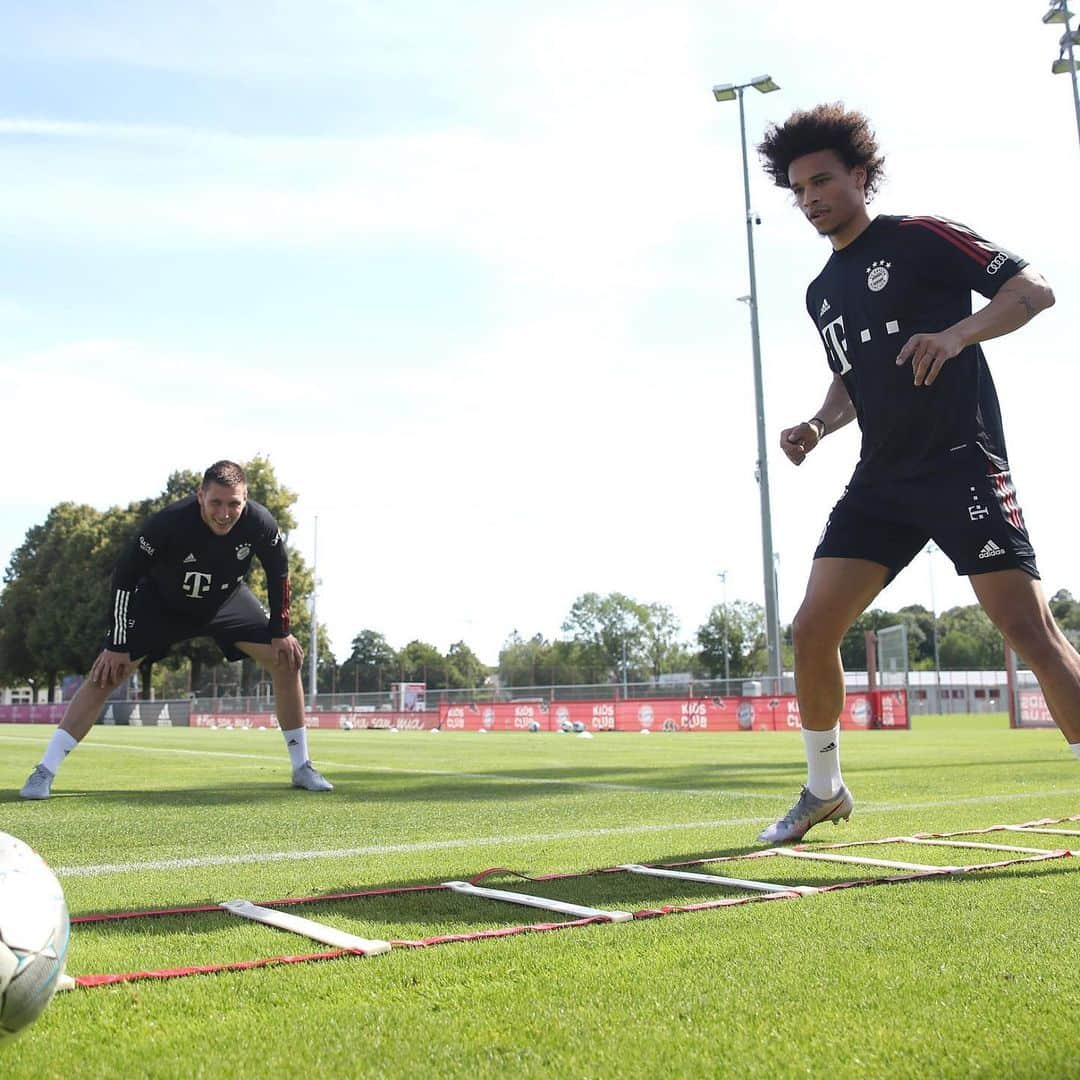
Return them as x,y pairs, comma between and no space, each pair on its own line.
825,127
226,473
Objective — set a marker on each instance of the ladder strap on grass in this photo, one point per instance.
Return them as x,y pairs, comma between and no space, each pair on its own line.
526,900
317,931
858,860
713,879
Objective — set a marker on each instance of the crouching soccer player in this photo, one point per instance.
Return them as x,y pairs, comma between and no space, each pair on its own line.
893,310
183,577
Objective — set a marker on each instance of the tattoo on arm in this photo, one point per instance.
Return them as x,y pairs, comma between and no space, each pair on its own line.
1028,307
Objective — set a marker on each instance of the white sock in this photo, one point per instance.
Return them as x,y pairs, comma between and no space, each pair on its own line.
823,761
60,745
1075,748
296,743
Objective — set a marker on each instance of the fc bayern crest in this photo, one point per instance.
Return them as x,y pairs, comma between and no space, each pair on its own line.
877,275
243,551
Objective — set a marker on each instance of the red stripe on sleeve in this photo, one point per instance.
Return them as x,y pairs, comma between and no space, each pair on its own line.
954,237
286,599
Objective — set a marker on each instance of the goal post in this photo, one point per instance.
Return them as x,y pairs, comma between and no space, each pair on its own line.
892,657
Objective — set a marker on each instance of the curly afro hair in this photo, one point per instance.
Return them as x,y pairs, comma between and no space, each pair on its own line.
825,127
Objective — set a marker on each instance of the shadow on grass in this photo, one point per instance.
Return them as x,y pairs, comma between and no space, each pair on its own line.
477,787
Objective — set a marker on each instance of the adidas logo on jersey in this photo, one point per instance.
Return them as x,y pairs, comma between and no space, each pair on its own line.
990,549
189,559
824,308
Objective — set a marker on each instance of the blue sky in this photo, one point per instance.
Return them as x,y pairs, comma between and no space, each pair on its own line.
468,275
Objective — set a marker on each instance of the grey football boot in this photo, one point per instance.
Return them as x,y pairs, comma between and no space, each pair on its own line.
310,779
39,784
806,813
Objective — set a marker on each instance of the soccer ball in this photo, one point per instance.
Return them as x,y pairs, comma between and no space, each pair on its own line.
33,935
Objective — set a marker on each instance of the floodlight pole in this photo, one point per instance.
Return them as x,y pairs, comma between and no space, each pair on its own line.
722,575
772,614
1060,14
313,686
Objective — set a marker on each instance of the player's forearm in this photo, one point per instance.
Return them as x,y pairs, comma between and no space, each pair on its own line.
280,597
131,567
1017,302
837,409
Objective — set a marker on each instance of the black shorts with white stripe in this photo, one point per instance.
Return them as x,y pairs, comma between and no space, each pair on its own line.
965,504
151,629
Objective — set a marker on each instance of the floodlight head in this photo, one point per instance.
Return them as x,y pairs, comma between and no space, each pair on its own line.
764,83
724,92
1064,67
1059,13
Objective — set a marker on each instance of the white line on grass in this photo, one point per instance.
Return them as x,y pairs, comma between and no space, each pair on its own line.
258,858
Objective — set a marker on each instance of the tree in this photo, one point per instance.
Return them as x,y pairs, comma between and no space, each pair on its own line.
968,640
1066,611
18,602
64,632
661,645
421,662
463,667
372,665
611,632
747,647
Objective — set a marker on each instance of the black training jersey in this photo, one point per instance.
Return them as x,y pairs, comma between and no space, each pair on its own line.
904,276
194,571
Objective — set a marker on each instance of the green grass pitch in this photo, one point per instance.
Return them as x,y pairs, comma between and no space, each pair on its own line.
942,977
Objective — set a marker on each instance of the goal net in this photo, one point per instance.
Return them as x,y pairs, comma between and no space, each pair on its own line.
892,657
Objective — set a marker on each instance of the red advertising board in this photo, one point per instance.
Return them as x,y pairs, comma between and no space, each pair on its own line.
885,708
351,721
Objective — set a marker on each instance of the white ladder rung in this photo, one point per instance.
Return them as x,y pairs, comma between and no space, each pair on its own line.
858,860
1043,832
317,931
713,879
971,844
563,908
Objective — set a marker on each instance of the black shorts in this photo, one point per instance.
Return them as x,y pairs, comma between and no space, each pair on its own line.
967,506
154,629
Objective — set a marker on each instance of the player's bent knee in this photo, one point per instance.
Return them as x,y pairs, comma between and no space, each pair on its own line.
814,634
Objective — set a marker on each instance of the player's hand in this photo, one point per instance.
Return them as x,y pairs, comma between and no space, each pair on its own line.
110,668
929,353
287,652
798,441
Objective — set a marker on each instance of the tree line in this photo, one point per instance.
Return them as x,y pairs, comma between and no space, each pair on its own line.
56,590
612,637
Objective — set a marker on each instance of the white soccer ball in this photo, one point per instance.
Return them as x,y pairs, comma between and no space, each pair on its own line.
33,935
534,726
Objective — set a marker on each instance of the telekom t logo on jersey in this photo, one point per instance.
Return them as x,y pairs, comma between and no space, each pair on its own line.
196,584
836,344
